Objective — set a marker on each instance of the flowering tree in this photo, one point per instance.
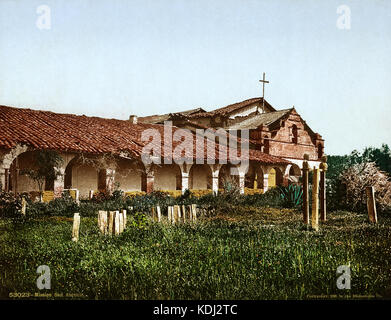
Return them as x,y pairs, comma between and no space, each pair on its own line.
360,176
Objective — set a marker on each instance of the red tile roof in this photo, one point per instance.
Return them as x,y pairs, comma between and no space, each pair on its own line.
230,108
82,134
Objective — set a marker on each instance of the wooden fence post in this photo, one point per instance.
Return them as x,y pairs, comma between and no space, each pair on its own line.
322,189
190,213
153,214
194,209
306,203
159,214
170,212
184,213
315,200
116,223
24,205
125,218
121,222
111,222
176,213
371,204
76,226
102,221
179,214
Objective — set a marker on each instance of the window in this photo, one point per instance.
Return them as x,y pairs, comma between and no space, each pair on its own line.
294,134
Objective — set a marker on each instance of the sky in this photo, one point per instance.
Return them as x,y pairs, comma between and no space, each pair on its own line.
114,58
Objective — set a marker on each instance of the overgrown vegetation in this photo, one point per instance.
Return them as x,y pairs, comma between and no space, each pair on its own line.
246,247
66,206
268,255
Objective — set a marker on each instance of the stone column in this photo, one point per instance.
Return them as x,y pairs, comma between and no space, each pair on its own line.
265,182
2,178
59,183
265,171
185,169
306,204
110,174
185,181
322,188
215,177
150,181
315,199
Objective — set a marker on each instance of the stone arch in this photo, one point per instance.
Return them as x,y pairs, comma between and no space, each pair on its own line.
17,180
83,176
294,170
228,172
167,177
275,177
200,177
254,177
130,175
294,174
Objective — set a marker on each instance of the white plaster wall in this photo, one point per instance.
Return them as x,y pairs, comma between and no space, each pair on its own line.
129,176
165,177
84,178
24,183
200,174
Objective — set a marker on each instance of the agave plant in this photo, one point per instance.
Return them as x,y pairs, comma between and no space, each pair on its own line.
292,195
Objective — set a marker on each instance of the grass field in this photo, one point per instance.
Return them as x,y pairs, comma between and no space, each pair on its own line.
269,254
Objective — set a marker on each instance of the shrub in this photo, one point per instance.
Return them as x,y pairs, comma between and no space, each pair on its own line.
10,204
139,221
292,196
63,206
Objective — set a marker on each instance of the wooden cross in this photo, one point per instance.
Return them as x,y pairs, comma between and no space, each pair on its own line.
263,90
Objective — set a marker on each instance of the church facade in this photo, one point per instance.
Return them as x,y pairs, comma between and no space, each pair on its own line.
280,133
103,154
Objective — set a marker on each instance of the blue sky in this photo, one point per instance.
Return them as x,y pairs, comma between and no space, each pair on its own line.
113,58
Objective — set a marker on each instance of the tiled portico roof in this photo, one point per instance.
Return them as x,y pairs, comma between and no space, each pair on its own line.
92,135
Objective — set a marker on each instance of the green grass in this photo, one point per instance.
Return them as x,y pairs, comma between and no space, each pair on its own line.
264,254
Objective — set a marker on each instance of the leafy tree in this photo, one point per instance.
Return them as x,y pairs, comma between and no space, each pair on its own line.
46,164
381,156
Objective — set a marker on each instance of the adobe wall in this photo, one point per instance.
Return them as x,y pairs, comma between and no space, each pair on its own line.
199,177
292,150
283,144
84,178
24,183
166,177
128,175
